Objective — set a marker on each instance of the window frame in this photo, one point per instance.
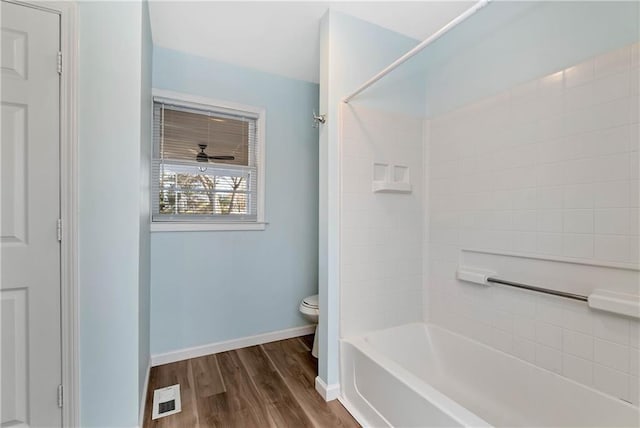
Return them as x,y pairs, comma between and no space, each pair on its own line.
199,102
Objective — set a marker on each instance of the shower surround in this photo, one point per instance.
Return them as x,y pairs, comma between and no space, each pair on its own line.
381,233
548,171
538,183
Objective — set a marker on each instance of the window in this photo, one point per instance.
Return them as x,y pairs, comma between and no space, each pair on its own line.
207,172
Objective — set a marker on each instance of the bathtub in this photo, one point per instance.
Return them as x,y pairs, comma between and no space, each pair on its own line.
422,375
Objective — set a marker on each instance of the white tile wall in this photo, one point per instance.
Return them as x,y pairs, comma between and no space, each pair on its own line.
548,168
381,234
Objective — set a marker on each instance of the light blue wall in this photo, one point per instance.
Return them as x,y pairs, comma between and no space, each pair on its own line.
109,130
359,50
508,43
144,296
214,286
351,52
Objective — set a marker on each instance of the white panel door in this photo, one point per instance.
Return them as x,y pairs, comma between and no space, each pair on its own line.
29,210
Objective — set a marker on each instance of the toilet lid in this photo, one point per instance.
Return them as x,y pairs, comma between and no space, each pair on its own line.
311,301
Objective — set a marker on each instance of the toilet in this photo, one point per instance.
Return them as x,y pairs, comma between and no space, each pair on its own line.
309,309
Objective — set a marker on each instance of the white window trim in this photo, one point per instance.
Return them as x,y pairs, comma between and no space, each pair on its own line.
195,101
174,226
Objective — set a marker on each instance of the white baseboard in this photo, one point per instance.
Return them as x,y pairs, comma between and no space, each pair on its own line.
328,392
243,342
144,395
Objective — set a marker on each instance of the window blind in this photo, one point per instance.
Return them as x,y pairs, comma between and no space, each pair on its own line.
204,164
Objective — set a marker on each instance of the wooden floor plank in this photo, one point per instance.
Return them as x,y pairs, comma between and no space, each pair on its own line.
207,376
240,405
167,375
307,340
281,405
290,359
270,385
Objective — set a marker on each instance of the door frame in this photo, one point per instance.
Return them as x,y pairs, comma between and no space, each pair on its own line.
69,322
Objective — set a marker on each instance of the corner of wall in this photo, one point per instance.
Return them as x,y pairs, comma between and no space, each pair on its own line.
145,391
426,134
144,262
327,392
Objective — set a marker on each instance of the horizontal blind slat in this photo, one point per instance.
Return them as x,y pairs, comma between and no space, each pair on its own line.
220,190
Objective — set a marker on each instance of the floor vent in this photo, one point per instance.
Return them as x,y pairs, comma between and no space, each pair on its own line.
166,401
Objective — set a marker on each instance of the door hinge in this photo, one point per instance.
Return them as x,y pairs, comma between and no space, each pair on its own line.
60,396
59,229
59,62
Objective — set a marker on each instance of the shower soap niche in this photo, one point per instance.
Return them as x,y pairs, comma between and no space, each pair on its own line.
389,178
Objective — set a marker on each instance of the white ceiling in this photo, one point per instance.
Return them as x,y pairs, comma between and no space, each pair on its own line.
281,37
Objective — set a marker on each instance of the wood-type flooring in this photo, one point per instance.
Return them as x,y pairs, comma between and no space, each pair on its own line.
269,385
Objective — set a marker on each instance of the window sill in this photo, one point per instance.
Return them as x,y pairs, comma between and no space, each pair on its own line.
205,227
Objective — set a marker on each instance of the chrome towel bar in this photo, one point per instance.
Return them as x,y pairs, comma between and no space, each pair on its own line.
614,301
538,289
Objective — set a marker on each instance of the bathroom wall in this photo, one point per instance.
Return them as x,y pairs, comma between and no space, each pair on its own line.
539,182
380,233
110,107
530,170
508,43
209,287
351,51
144,270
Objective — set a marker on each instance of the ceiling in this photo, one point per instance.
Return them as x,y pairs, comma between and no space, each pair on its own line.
281,37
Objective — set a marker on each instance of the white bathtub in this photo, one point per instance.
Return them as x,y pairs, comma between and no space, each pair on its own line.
421,375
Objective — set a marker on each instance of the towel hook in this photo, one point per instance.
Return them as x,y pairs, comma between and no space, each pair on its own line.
318,119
